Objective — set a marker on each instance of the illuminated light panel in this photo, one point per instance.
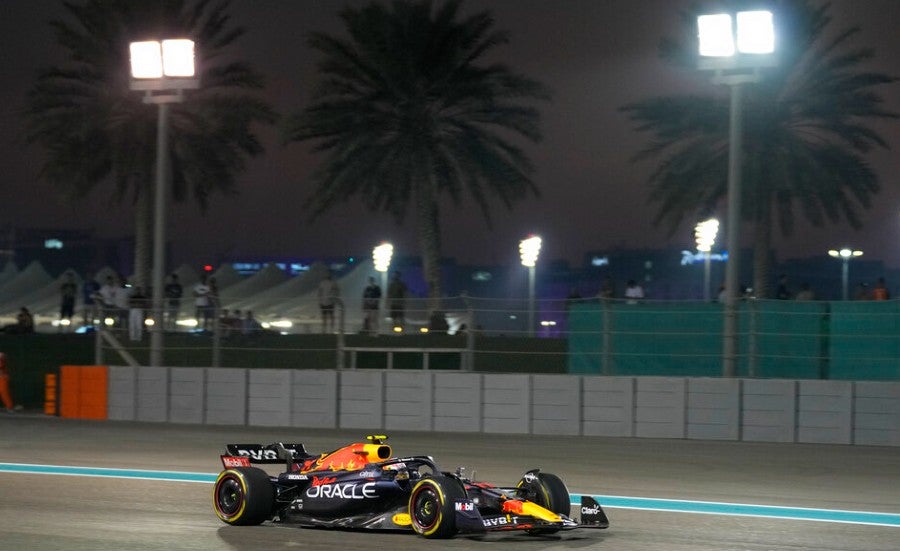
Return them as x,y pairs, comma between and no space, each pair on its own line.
716,38
146,59
178,57
529,249
755,32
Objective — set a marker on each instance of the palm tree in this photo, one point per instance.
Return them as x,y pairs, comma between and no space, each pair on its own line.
406,114
807,130
96,132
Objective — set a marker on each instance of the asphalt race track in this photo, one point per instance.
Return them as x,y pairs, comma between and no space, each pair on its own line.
859,486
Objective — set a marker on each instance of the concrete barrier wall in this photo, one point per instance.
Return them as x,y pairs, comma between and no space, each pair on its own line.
832,412
607,406
713,409
187,395
152,394
876,414
314,398
122,389
226,396
769,410
457,402
556,404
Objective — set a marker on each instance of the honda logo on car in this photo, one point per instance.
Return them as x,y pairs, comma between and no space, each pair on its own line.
350,490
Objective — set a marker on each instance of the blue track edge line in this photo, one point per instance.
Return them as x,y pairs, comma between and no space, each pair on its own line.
740,509
613,502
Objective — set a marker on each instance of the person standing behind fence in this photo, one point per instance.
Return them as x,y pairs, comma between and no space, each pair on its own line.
108,298
173,291
137,303
633,292
67,291
880,292
90,297
371,298
5,395
396,295
328,292
123,303
201,303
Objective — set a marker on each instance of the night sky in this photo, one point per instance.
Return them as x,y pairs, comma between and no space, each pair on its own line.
596,55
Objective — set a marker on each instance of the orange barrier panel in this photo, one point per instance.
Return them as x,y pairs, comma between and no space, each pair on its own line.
50,393
83,391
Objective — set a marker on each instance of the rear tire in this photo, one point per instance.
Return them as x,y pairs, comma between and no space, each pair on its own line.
431,506
243,496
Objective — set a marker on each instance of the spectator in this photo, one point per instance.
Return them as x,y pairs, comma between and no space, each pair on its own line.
880,291
250,326
805,293
108,297
862,292
329,293
607,289
437,323
396,295
137,304
90,297
122,299
202,303
24,323
782,292
633,292
67,290
173,292
371,299
5,395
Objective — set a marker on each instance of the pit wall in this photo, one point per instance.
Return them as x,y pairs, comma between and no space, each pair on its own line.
758,410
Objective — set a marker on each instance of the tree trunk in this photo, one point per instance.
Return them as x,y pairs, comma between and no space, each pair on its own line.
762,266
430,243
143,232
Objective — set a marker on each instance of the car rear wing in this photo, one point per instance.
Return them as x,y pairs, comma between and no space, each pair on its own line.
244,454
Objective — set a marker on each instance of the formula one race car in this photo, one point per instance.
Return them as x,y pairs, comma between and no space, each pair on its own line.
362,486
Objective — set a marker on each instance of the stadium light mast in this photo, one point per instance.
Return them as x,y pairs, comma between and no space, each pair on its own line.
381,257
705,233
162,70
845,255
529,249
735,46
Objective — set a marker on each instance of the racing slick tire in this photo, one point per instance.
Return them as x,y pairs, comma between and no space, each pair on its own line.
548,491
243,496
432,510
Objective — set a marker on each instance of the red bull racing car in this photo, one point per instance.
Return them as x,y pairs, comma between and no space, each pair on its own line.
362,486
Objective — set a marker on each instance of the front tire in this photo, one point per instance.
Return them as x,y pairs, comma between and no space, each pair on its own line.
548,491
432,506
243,496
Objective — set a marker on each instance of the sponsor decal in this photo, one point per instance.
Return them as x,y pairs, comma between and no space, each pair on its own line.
590,510
297,477
351,490
370,474
529,477
317,481
259,455
498,521
465,506
401,519
229,461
